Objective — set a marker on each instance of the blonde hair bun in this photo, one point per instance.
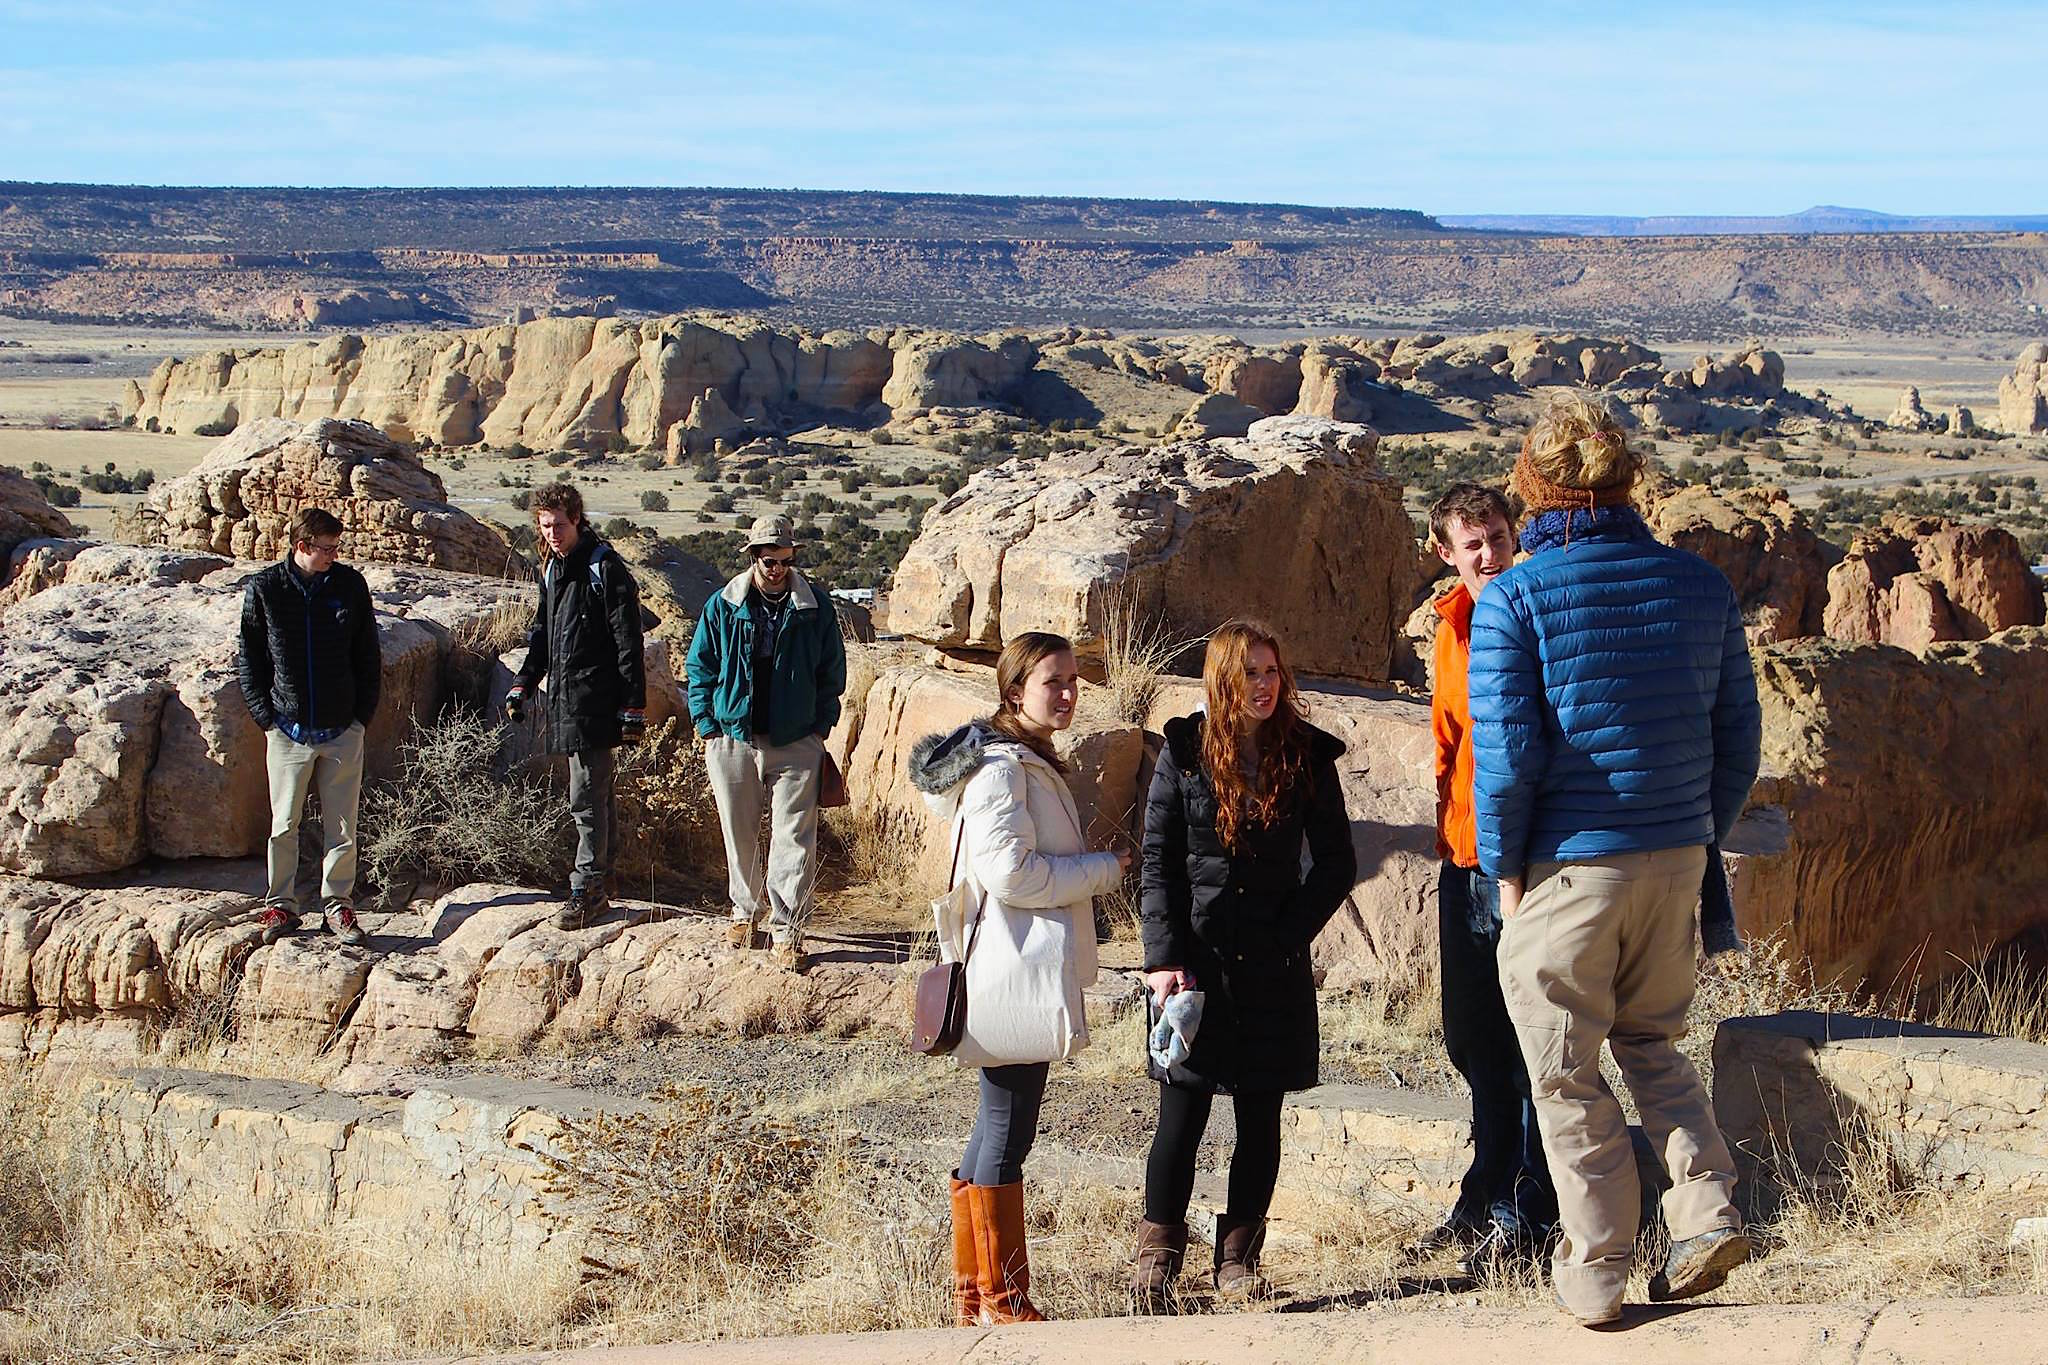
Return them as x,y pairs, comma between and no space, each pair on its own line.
1577,443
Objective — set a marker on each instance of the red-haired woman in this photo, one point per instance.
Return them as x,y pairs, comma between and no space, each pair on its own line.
1228,911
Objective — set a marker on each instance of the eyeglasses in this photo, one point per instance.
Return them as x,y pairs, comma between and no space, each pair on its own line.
322,547
774,562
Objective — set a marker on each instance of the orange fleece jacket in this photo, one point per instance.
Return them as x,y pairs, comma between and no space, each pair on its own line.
1450,721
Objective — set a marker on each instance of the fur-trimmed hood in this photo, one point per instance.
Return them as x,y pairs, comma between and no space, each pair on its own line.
940,763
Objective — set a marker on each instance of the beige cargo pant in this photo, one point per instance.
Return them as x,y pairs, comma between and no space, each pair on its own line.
1602,951
746,776
293,768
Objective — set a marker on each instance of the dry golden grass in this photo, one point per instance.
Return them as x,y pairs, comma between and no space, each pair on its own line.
1138,655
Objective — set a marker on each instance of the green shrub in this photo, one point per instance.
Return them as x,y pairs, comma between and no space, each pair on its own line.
654,500
220,428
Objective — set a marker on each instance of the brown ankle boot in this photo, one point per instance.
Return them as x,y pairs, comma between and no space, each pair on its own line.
1005,1267
1162,1248
966,1264
1238,1244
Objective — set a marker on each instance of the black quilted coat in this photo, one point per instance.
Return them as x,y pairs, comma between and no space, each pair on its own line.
1243,924
308,652
586,642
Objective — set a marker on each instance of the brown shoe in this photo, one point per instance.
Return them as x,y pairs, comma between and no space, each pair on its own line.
966,1265
1162,1249
790,958
1004,1264
1699,1264
742,936
1238,1244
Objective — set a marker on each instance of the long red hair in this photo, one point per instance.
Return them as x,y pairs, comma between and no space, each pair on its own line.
1282,737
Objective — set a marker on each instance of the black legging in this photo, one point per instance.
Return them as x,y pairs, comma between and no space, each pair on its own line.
1005,1124
1254,1161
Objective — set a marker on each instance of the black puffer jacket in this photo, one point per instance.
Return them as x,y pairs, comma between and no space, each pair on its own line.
309,650
1243,925
585,640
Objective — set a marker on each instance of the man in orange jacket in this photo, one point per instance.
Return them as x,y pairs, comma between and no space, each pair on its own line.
1506,1206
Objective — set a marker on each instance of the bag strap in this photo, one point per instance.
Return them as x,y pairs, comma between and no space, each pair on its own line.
953,880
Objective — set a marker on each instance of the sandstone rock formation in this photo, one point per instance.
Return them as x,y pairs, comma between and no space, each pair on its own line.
87,971
1910,414
1960,420
2023,394
1917,839
124,734
1217,415
1914,582
25,514
1336,384
1270,383
1294,522
939,371
1760,541
578,382
241,498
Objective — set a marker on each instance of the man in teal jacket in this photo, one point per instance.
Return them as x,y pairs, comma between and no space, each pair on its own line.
766,668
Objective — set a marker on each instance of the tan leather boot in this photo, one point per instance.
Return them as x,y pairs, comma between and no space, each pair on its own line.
1005,1267
1238,1244
1162,1248
966,1263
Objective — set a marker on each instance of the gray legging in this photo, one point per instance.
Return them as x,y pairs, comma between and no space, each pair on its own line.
1005,1124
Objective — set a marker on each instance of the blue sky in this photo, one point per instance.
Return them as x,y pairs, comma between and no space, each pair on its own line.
1555,108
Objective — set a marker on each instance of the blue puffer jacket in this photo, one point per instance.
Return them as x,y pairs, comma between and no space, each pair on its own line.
1613,705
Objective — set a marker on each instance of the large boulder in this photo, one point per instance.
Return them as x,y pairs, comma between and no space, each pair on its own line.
1760,541
936,370
1270,383
2023,394
1911,414
1218,414
241,498
1294,523
1916,840
1336,384
1913,582
124,734
25,514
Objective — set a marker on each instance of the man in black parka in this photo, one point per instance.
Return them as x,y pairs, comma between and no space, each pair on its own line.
585,645
310,672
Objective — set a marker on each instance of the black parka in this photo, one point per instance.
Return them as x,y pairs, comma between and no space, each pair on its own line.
308,652
1243,924
585,640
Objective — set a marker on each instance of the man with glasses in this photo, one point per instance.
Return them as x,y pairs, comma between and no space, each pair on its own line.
310,672
766,668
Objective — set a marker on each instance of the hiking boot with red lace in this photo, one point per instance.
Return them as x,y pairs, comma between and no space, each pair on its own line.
341,922
277,922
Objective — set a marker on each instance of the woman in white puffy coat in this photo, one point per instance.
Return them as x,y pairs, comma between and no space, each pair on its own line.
1002,792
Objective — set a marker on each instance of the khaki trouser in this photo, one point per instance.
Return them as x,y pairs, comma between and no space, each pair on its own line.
293,768
745,776
1603,951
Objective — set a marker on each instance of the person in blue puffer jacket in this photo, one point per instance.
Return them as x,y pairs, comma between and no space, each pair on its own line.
1616,734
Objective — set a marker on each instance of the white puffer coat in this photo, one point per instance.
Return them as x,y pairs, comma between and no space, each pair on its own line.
1024,857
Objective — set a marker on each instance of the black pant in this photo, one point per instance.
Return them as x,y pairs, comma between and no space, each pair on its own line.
1254,1161
1005,1124
1509,1181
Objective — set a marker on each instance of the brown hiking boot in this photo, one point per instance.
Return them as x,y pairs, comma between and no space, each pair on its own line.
1162,1249
341,922
790,958
1004,1265
1699,1264
583,906
966,1262
742,936
277,922
1238,1244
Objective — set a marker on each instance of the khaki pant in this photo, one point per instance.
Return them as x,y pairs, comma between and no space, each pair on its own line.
746,776
293,768
1603,951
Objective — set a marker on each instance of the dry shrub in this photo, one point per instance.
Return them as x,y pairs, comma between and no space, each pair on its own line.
878,847
38,1188
668,818
695,1175
1138,654
454,815
501,628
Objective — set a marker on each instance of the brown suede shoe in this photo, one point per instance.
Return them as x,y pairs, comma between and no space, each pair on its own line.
1162,1249
742,936
966,1264
1238,1244
1004,1263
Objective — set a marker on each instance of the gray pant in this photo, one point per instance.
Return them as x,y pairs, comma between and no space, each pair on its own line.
746,777
594,810
293,768
1006,1123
